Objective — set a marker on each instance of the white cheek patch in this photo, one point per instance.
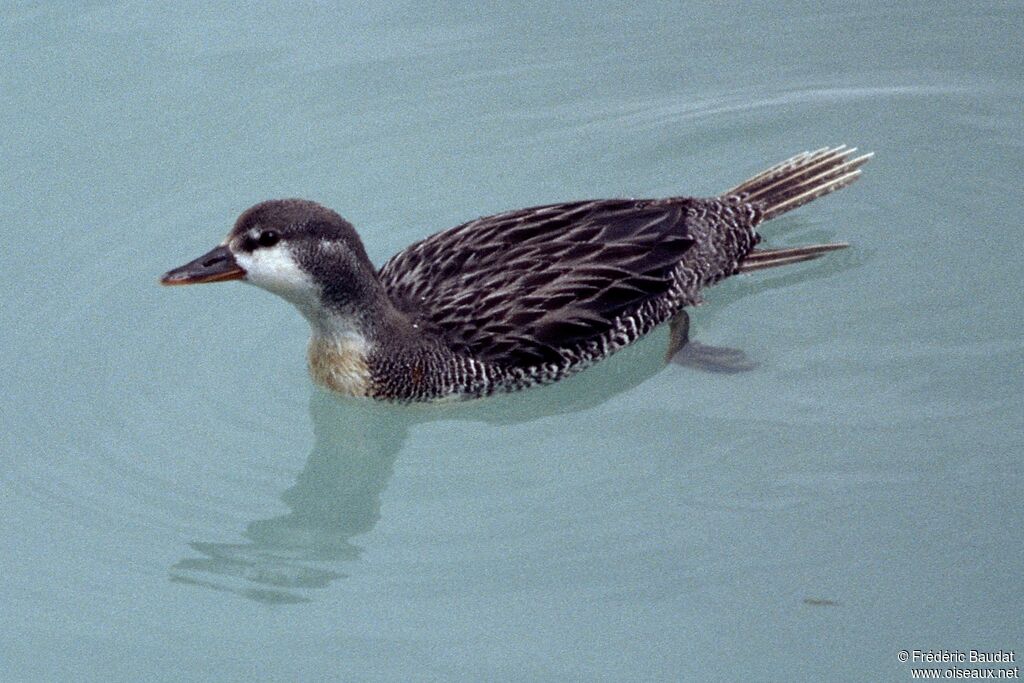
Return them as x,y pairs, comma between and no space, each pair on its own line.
274,270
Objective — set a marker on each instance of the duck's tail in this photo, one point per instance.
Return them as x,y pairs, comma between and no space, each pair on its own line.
801,179
793,183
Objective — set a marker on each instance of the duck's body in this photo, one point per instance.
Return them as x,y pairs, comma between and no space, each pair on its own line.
512,300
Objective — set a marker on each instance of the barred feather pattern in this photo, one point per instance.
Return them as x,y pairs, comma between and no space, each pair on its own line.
531,296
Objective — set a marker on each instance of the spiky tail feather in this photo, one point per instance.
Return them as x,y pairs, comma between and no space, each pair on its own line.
801,179
769,258
793,183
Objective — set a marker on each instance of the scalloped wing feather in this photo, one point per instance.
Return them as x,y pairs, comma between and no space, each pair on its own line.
517,288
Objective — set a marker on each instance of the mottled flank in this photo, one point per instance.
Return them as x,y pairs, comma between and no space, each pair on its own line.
529,296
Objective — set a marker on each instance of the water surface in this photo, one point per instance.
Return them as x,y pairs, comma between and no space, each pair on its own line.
180,503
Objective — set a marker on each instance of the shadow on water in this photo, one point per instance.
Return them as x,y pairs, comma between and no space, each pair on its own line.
337,496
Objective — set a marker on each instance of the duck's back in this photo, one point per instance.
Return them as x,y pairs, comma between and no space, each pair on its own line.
557,284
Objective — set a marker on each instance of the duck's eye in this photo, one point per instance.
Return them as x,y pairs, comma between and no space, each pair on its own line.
268,238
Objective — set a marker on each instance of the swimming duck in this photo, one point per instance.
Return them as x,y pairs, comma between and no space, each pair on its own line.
515,299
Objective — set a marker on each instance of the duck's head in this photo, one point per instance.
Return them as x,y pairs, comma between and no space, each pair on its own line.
297,249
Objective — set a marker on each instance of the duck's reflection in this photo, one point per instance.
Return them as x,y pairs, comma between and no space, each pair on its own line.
337,496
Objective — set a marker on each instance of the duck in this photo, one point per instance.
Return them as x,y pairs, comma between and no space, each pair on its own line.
516,299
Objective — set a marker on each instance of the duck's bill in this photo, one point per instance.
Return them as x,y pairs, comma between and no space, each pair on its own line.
217,265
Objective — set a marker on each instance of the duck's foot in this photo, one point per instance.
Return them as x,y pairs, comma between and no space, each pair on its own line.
682,351
713,358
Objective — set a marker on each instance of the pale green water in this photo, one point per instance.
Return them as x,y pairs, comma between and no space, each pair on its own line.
179,503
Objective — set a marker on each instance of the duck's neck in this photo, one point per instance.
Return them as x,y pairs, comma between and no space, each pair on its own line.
371,323
346,345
